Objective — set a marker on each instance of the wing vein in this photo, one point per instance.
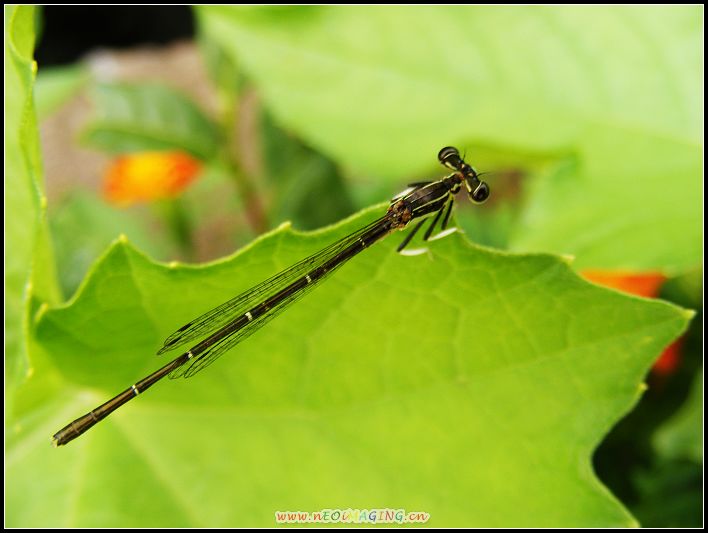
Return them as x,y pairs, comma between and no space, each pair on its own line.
226,314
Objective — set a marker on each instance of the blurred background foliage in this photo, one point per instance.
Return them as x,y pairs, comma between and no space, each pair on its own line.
589,121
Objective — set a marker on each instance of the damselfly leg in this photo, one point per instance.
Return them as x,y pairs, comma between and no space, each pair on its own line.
428,235
410,236
447,216
430,229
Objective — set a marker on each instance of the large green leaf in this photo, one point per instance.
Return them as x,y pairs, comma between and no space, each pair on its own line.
467,383
615,90
29,268
136,117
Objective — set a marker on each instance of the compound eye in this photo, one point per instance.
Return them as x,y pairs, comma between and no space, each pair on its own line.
447,152
480,193
450,157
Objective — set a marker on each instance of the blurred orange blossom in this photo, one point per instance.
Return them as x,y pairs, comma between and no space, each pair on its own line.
147,176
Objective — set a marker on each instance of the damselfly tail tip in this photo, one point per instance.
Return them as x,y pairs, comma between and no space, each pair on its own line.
55,442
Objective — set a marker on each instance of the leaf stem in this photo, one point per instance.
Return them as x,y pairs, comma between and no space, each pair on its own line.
179,224
233,156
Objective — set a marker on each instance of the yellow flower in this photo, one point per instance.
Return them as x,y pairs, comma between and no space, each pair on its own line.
146,176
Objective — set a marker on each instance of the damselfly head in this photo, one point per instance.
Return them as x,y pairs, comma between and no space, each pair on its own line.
477,190
450,157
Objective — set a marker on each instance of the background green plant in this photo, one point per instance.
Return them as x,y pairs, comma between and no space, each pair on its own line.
470,384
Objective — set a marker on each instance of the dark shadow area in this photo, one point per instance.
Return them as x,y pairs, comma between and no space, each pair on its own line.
66,33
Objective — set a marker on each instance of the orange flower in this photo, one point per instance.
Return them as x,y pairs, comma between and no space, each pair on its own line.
642,284
670,359
645,284
146,176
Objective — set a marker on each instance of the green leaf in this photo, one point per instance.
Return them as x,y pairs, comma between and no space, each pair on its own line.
627,217
613,93
56,85
77,249
28,262
300,176
467,383
137,117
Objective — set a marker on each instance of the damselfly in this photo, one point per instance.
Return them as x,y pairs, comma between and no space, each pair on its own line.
220,329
